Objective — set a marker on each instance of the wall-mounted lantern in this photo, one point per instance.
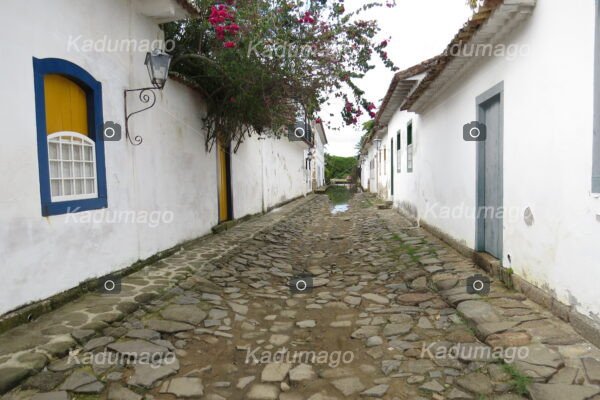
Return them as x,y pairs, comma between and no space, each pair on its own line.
309,157
301,130
377,143
157,62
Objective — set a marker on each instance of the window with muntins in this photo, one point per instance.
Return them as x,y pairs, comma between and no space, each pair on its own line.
72,167
68,102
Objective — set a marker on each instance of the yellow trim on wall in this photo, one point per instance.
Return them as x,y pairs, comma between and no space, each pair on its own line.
222,186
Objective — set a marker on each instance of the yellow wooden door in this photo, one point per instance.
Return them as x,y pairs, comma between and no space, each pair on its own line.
66,105
223,183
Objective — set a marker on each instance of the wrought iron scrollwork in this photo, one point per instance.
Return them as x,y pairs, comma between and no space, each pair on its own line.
145,96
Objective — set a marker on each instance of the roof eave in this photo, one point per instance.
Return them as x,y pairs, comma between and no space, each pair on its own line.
487,26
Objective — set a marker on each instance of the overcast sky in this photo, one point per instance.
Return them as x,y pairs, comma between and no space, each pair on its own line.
419,29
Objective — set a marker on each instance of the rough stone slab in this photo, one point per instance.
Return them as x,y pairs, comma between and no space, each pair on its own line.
60,395
376,391
376,298
537,372
488,328
184,387
138,348
98,343
146,375
432,386
184,313
146,334
77,379
539,391
415,298
275,372
456,394
119,392
396,329
260,391
168,326
565,375
476,382
365,332
478,311
44,381
243,382
592,369
348,386
544,356
508,339
303,372
11,376
238,308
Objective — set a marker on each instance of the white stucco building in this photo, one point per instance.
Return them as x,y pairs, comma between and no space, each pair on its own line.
535,86
318,163
76,206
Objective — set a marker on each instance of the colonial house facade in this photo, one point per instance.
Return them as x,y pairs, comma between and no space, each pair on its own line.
318,167
524,197
78,204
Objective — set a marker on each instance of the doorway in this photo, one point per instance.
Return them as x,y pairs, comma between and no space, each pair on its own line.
224,182
392,167
490,172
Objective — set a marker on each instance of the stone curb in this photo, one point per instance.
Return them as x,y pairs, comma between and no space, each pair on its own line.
52,304
27,313
584,325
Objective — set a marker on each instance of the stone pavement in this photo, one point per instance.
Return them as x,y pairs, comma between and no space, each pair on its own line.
388,317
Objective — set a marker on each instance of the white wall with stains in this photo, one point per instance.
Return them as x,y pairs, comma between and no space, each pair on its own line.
169,176
548,132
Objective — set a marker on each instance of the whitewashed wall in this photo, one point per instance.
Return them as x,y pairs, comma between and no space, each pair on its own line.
372,176
267,171
548,117
319,157
170,172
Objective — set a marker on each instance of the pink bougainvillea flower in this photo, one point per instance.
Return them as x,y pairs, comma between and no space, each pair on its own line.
232,28
307,18
229,44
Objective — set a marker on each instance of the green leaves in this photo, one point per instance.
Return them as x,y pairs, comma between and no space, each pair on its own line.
253,59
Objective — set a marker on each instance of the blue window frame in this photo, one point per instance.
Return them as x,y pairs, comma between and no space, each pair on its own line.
93,93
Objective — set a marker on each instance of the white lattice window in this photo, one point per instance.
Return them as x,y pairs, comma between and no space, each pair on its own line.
72,162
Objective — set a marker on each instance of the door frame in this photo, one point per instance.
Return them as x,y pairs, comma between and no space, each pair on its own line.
226,151
481,100
392,167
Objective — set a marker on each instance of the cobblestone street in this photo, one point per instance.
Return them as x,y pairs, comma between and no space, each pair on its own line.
388,317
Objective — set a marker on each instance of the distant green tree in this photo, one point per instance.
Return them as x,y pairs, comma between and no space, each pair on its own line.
337,167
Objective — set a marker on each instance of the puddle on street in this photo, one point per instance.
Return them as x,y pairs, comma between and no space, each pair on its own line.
339,208
339,196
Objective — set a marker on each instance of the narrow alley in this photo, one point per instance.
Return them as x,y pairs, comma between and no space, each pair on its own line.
386,315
